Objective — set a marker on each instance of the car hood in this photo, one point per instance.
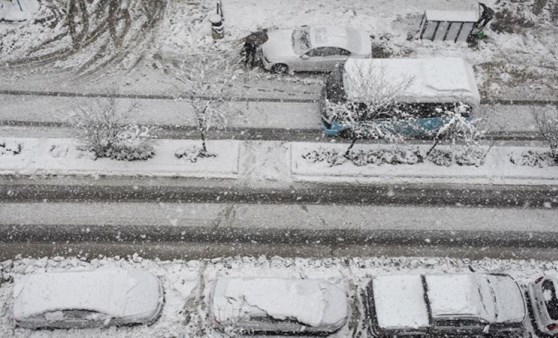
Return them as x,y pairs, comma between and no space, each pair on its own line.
278,45
510,305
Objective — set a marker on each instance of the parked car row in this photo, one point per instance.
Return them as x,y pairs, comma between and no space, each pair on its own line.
400,305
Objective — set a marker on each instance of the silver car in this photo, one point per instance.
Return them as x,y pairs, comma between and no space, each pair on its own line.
77,299
316,49
542,296
279,306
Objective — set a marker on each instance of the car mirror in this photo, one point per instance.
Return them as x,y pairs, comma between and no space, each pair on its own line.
486,329
304,57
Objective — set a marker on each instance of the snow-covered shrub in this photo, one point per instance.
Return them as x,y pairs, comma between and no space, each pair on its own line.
385,156
546,120
509,20
57,151
192,154
102,131
463,156
532,158
10,148
331,157
363,158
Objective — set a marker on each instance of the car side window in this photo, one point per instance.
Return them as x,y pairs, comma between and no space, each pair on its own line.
459,323
550,300
343,52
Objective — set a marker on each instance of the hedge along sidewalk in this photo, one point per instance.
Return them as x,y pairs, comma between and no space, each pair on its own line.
497,167
60,156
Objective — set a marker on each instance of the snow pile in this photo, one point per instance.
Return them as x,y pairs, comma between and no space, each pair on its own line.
18,10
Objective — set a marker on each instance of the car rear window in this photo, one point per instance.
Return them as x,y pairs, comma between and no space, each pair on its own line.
549,296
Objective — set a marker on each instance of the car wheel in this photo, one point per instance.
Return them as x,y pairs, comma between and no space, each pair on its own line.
280,68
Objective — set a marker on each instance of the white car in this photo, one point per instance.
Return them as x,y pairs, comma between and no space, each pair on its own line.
316,49
441,305
275,305
542,295
77,299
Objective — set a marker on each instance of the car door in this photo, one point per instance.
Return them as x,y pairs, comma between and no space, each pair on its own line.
323,59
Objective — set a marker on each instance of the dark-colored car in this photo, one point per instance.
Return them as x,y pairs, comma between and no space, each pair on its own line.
441,305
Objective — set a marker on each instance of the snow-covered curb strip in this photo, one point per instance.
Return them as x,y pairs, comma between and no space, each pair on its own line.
61,157
497,168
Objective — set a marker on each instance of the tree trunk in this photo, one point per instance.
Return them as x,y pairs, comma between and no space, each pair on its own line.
436,141
204,147
350,147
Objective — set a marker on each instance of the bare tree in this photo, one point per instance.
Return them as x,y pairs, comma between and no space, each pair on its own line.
102,129
205,83
546,120
372,105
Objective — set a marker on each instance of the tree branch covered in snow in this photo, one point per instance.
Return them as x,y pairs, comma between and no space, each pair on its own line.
204,83
457,129
368,113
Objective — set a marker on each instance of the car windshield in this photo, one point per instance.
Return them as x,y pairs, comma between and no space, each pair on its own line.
550,300
301,40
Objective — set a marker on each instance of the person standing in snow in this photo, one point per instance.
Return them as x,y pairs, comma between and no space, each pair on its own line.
249,50
486,16
251,44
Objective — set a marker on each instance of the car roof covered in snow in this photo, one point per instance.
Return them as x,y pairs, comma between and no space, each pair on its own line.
460,295
129,294
342,37
314,303
399,302
445,80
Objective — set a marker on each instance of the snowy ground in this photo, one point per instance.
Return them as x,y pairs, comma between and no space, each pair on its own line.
508,65
187,285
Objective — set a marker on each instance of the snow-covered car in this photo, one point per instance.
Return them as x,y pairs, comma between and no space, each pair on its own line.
280,306
421,91
93,298
440,305
543,300
316,49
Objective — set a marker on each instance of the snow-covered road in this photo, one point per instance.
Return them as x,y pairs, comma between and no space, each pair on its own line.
222,229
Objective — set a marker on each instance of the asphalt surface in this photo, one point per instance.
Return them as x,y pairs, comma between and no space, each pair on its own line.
188,230
230,191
